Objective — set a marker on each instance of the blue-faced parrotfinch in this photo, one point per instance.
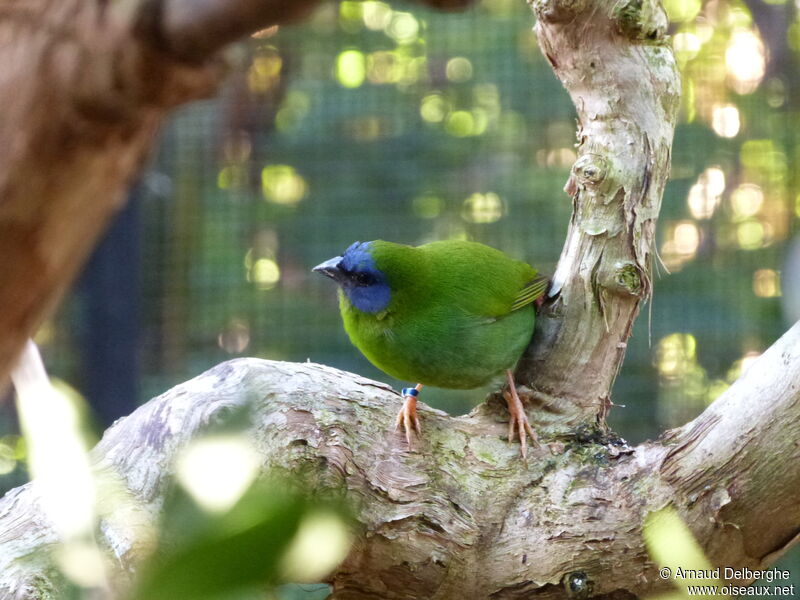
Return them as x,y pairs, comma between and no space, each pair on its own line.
451,314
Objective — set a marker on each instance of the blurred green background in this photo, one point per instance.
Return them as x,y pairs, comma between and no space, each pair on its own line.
377,120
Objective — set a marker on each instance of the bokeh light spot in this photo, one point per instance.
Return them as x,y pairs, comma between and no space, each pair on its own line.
767,283
750,235
264,273
383,67
483,208
704,196
217,470
460,123
745,60
433,108
686,45
458,69
376,15
321,543
681,245
746,200
682,10
264,72
351,68
234,338
675,354
281,184
403,28
725,120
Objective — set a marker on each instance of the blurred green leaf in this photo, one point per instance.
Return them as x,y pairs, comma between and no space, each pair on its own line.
204,555
678,556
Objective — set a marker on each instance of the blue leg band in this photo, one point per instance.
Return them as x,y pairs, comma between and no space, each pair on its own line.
410,392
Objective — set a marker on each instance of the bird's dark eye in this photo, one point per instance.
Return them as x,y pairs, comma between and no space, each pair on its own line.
361,278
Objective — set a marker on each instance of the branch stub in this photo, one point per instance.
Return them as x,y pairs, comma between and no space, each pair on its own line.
557,11
642,20
590,169
578,585
628,278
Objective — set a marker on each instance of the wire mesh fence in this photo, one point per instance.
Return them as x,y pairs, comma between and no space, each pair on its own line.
379,121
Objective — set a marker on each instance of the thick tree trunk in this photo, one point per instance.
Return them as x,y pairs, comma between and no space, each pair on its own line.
461,516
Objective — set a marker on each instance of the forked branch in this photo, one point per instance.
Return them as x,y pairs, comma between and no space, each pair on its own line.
461,516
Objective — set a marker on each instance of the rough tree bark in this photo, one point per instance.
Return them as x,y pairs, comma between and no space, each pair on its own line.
460,516
614,60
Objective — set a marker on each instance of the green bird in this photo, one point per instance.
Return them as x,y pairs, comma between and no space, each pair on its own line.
450,314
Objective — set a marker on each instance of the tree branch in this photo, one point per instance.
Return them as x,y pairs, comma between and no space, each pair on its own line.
619,69
460,516
195,29
82,99
84,89
731,461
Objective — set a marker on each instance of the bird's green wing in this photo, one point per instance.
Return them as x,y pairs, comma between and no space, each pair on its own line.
534,290
479,280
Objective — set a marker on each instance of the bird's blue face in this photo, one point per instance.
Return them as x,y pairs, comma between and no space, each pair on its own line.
361,280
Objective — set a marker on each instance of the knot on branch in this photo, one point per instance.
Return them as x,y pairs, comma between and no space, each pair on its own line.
557,11
629,279
588,173
590,169
642,20
622,278
578,585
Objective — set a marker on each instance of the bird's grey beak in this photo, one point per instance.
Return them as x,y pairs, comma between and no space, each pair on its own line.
330,267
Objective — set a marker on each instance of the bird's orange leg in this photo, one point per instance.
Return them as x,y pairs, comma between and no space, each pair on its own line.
407,417
518,420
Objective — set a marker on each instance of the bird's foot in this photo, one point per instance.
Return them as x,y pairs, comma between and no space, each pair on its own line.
518,420
407,417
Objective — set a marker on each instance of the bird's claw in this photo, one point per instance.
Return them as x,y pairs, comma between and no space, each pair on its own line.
518,422
407,418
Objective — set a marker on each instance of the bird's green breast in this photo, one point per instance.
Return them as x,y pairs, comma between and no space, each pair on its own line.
444,350
449,322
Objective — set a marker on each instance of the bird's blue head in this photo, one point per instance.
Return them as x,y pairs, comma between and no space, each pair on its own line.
361,280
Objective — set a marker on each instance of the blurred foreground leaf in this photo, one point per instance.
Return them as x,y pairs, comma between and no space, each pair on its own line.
240,553
677,554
